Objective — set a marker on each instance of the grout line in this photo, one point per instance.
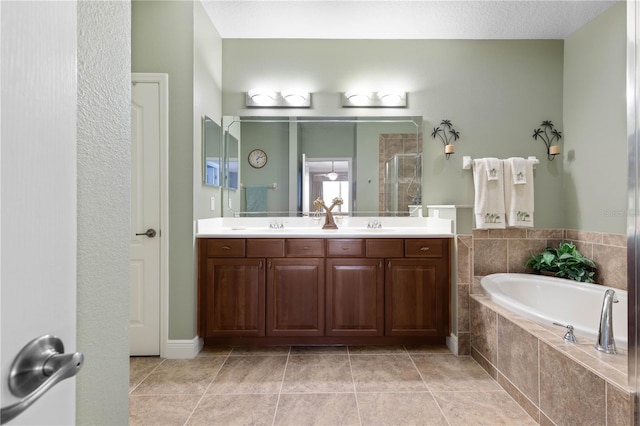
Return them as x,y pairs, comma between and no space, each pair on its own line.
146,377
284,372
353,382
207,388
428,387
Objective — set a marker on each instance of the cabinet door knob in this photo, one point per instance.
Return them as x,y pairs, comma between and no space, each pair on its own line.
225,248
305,248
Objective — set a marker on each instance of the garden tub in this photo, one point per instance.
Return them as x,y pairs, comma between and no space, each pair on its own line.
548,299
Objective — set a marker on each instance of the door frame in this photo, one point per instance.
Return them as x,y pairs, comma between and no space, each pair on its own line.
163,83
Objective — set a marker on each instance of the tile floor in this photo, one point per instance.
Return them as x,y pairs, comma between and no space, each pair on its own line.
318,386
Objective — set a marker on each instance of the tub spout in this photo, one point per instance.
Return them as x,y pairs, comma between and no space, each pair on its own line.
606,343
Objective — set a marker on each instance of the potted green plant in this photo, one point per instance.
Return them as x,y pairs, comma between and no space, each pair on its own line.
565,261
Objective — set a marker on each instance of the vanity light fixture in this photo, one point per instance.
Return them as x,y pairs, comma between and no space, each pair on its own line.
381,99
549,135
447,135
285,99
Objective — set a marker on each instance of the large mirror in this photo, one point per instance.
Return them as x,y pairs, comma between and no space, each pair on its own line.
211,152
281,165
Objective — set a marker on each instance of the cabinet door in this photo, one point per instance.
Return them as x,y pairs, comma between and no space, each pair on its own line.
235,297
417,297
295,297
355,297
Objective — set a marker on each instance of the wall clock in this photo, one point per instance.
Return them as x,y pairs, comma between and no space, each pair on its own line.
257,158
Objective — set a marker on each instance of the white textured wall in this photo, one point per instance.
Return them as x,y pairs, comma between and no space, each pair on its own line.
104,139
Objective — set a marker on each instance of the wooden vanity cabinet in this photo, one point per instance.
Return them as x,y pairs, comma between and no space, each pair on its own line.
324,291
355,297
231,290
417,301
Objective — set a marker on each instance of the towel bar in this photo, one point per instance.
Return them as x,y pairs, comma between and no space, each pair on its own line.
273,186
467,161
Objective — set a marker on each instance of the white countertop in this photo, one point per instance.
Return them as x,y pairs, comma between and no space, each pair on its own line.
304,227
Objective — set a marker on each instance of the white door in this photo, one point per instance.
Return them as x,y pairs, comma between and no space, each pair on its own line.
145,275
38,191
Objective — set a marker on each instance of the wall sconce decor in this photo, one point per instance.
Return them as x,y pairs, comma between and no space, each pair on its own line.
548,134
261,98
447,134
382,99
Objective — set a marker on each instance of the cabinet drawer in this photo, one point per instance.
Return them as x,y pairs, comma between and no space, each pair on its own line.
338,247
225,247
265,247
385,247
425,247
301,247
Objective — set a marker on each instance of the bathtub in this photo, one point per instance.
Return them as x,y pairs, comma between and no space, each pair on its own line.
548,299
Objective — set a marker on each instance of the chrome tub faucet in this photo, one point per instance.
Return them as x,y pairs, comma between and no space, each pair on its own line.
606,343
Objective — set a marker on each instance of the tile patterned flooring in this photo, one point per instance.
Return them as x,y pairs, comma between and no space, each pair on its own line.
391,385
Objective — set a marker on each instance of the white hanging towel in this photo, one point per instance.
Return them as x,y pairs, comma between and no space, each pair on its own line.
519,194
489,205
518,171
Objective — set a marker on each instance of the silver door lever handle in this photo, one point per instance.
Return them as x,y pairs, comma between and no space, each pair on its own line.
39,366
149,233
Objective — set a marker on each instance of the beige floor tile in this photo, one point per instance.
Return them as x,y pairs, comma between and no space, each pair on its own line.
385,373
317,409
447,372
412,408
181,376
250,374
493,408
302,350
140,367
427,349
160,410
376,350
216,351
228,410
260,350
318,373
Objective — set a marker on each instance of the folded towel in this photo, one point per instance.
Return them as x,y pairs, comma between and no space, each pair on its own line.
518,170
494,168
489,195
256,198
519,196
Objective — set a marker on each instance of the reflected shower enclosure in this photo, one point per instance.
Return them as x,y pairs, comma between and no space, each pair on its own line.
401,172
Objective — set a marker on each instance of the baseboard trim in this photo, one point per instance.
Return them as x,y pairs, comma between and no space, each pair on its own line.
184,349
452,344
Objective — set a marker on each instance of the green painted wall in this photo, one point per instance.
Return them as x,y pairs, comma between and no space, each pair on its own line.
495,92
172,37
273,138
595,142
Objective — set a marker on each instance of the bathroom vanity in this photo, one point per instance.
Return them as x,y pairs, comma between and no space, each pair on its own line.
306,286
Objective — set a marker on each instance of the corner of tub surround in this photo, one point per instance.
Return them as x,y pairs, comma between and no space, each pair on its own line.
506,250
488,323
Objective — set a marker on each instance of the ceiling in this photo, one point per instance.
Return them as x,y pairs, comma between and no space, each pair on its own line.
399,19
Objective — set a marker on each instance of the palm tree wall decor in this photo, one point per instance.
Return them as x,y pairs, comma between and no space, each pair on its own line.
447,134
549,135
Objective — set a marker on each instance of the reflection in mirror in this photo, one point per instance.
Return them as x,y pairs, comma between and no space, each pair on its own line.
231,165
326,178
377,164
211,152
